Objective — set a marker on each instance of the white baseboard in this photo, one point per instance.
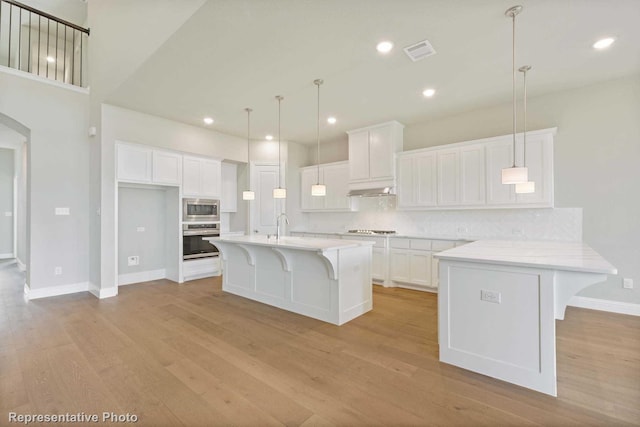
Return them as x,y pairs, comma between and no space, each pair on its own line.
605,305
141,276
102,293
52,291
6,256
21,265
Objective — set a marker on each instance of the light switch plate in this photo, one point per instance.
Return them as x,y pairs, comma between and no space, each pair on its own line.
8,213
140,229
627,283
63,211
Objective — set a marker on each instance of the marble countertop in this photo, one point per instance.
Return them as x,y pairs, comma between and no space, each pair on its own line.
300,243
398,235
570,256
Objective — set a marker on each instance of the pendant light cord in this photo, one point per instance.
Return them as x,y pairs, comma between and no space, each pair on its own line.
524,107
249,110
514,88
318,82
279,98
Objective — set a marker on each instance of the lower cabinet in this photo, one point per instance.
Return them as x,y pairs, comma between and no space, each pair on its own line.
378,270
412,264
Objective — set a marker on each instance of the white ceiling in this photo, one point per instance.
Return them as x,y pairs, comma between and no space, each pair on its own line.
233,54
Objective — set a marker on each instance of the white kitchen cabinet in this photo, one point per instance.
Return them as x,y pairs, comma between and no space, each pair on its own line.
335,176
146,165
472,175
417,180
539,161
379,264
229,197
167,168
134,163
448,181
410,262
202,177
372,153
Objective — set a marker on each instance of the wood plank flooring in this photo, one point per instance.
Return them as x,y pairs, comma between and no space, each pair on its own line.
195,356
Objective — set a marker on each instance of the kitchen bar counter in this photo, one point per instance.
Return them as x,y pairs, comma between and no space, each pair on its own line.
327,279
499,300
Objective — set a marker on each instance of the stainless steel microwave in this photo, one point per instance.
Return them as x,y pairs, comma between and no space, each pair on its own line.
200,210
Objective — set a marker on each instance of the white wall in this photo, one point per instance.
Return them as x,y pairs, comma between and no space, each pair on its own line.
6,202
58,159
141,208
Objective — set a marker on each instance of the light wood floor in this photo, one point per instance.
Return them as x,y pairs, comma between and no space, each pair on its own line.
193,355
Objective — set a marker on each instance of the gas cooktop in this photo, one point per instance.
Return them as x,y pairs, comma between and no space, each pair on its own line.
372,231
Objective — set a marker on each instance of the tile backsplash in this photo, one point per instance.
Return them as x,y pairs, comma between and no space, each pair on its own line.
560,224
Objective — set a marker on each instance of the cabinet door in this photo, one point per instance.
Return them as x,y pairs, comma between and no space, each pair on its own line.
191,176
308,202
539,161
210,178
378,264
167,167
336,178
499,155
381,153
448,193
133,163
435,272
472,176
359,156
400,265
420,268
406,187
425,179
229,198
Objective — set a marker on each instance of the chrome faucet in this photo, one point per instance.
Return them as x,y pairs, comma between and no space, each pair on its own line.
286,218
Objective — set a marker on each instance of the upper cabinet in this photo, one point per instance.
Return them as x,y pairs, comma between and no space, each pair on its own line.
372,154
201,177
229,197
335,176
146,165
469,174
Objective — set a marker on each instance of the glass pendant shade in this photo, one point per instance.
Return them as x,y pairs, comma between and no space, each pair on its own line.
279,193
515,175
526,187
318,190
248,195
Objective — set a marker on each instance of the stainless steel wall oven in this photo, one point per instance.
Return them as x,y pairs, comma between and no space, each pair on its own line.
194,244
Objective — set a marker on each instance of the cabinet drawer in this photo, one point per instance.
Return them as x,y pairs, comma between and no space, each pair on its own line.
442,245
421,244
400,243
380,242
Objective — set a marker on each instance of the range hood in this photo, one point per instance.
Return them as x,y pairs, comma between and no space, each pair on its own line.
371,192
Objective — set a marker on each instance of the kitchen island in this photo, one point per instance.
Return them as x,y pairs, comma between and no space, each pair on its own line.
498,302
326,279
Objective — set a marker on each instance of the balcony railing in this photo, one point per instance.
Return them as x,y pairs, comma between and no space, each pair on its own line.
39,43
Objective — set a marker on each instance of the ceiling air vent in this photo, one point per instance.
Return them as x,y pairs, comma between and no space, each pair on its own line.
419,50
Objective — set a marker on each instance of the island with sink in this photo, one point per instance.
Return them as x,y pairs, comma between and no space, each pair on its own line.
326,279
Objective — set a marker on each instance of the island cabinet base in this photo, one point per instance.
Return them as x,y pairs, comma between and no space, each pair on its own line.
499,320
334,286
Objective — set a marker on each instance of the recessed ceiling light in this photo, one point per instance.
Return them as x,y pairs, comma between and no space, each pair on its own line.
51,59
208,120
428,93
384,47
268,137
604,43
332,120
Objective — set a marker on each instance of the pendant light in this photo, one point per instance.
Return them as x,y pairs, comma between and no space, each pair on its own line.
279,193
529,186
514,174
318,189
248,195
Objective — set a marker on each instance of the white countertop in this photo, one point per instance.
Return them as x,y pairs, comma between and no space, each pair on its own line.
397,235
300,243
571,256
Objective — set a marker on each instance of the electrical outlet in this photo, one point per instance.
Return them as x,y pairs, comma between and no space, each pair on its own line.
140,229
490,296
63,211
57,271
133,260
627,283
8,214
